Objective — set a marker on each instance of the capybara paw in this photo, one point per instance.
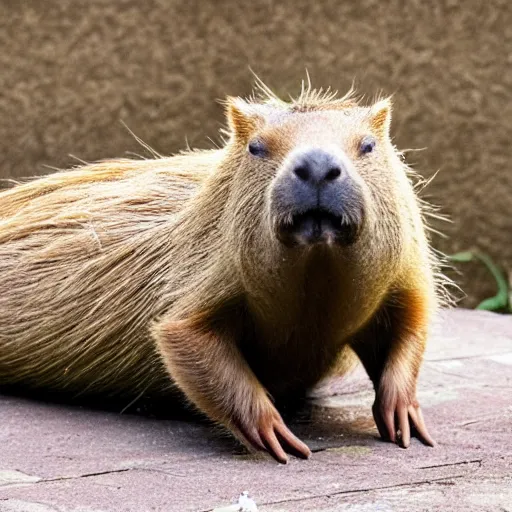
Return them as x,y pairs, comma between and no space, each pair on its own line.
397,420
269,433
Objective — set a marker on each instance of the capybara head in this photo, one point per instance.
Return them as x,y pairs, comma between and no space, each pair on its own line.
318,171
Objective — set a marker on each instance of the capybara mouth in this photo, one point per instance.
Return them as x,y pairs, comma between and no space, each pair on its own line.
318,226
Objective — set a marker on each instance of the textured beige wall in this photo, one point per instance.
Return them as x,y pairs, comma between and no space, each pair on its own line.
70,70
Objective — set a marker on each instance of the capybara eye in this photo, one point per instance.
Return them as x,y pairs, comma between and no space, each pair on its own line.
257,148
367,145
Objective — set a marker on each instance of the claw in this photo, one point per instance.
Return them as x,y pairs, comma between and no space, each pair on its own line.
274,447
295,445
389,421
270,434
408,419
420,427
252,438
403,422
381,426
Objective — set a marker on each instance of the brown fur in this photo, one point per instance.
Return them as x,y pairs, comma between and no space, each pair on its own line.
120,274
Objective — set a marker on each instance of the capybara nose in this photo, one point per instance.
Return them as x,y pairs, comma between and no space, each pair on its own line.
318,167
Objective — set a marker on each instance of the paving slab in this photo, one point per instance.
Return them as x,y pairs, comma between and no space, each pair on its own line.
64,458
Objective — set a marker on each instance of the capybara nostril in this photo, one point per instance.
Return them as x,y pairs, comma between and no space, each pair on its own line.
302,172
333,173
317,167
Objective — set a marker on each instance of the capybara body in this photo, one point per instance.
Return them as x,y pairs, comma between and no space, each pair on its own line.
81,281
237,275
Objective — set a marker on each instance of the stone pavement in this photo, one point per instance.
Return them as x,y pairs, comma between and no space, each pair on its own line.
65,458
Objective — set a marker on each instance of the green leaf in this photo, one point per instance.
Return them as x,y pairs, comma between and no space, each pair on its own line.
462,257
501,300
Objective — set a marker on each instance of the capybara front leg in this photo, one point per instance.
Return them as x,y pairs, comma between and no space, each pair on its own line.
203,359
391,351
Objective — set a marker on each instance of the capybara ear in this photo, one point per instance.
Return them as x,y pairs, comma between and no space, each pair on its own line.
243,118
380,116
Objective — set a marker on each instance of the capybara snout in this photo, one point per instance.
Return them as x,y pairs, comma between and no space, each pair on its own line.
315,199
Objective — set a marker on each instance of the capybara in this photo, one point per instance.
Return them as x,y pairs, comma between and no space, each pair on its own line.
240,275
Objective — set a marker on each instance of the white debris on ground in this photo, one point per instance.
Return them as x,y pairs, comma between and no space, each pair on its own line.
245,504
13,477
